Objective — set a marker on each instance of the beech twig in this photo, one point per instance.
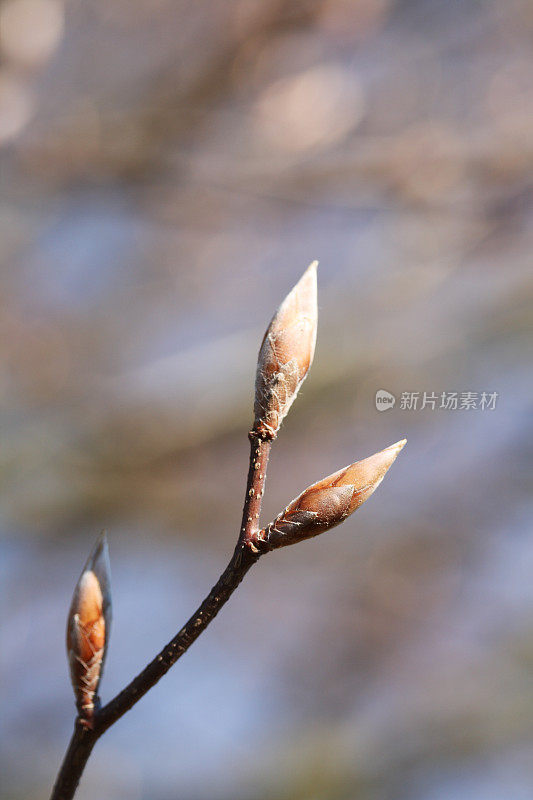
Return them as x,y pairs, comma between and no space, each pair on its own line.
284,359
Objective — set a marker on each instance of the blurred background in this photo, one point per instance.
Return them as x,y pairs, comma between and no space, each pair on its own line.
168,170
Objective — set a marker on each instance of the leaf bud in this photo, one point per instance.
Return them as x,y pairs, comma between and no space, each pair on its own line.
286,354
330,501
88,629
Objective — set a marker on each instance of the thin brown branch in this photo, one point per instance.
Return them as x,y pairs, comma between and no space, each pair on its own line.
284,359
80,748
260,445
245,556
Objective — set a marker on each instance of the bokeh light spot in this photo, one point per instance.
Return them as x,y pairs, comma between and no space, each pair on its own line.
311,110
30,30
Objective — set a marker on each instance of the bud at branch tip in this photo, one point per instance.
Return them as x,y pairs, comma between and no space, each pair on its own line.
286,354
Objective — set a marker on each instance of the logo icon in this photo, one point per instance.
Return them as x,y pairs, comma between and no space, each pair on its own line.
384,400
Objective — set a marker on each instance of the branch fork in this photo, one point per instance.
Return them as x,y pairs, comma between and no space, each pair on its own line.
284,360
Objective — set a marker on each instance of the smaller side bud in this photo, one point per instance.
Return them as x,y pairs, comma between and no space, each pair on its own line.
330,501
286,354
88,629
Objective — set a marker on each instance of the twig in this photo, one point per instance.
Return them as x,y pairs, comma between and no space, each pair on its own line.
80,748
84,738
284,359
255,486
245,556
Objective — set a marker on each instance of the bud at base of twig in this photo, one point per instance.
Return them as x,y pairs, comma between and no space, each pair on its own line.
327,503
88,629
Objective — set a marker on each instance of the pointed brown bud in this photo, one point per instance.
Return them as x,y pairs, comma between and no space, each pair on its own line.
286,354
88,628
328,502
